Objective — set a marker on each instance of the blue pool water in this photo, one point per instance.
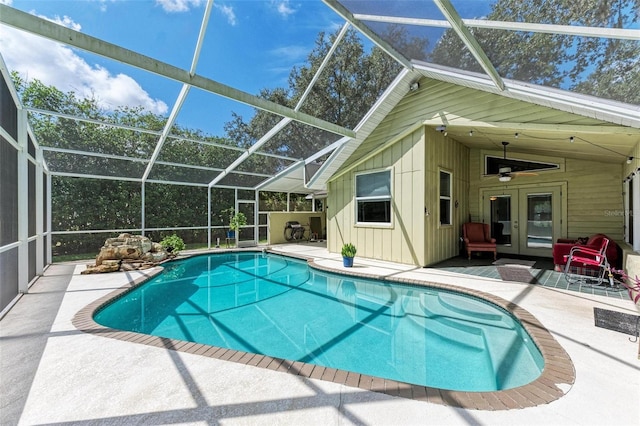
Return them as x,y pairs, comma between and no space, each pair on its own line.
278,306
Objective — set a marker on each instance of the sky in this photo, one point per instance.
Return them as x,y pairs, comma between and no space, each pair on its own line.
249,45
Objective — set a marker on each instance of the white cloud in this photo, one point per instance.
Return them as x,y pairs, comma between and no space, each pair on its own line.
229,13
64,21
59,66
6,2
291,53
283,7
178,5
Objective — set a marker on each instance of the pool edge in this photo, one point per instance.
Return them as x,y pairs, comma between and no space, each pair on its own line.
555,381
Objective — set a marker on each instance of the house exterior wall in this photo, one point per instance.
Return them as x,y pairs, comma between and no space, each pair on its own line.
415,235
443,153
403,240
594,192
406,141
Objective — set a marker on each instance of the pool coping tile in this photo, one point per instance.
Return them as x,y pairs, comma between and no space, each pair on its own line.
558,369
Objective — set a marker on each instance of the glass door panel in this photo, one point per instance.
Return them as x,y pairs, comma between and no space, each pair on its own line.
501,213
542,213
500,219
539,221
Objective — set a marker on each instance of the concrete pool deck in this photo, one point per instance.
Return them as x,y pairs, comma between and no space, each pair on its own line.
82,378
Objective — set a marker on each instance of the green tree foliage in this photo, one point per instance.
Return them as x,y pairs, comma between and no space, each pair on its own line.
346,89
602,67
95,204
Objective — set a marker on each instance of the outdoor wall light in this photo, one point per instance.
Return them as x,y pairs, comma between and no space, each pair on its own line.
504,178
516,135
470,132
629,160
414,86
442,129
571,139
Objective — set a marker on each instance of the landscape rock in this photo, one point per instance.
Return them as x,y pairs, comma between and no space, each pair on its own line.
127,252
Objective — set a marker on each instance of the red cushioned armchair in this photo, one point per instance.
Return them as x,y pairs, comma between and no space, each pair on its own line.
477,237
563,246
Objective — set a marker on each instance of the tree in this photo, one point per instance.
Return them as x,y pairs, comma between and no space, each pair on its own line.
344,92
591,65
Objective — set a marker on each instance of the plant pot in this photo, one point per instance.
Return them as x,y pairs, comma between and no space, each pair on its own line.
347,261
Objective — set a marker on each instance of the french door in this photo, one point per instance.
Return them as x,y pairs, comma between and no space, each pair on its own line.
524,221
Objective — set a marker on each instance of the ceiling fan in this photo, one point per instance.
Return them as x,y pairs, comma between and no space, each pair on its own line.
504,173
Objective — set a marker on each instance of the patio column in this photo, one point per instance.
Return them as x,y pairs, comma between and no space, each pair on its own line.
142,209
23,203
49,230
40,206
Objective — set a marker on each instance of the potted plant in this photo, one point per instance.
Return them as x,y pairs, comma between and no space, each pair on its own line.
348,253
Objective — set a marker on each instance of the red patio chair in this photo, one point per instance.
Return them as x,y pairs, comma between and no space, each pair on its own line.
585,265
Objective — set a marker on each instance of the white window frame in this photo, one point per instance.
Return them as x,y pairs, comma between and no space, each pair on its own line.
448,198
374,198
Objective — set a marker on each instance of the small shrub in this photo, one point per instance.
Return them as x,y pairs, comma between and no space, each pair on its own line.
173,244
349,250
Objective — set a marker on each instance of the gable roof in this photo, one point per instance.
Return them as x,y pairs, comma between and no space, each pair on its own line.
545,119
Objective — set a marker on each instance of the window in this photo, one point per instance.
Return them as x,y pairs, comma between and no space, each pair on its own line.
445,198
373,197
492,165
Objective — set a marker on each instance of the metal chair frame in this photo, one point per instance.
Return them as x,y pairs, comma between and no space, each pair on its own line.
582,260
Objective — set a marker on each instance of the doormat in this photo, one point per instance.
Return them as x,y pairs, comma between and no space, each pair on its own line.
520,262
516,273
617,321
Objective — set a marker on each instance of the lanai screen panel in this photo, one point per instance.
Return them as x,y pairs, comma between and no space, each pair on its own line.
242,180
188,175
92,137
590,65
264,164
194,153
299,141
89,165
600,65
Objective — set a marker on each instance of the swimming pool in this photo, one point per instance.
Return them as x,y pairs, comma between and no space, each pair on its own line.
278,306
